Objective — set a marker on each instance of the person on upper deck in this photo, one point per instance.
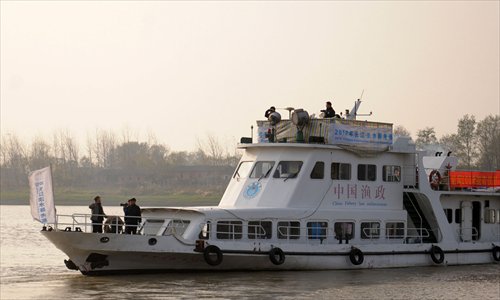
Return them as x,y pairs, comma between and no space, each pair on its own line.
97,215
329,112
269,111
132,216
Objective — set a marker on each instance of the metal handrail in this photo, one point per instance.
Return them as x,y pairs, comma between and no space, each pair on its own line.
474,232
416,210
258,233
368,233
82,222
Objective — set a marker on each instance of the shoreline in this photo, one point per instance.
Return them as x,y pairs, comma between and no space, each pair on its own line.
83,198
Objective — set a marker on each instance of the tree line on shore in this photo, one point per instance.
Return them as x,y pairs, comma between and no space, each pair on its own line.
109,159
476,143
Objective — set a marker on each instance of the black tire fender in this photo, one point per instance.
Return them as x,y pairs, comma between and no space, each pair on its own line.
356,256
437,254
209,257
277,256
496,253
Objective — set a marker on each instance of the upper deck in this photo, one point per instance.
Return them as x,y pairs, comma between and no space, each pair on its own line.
374,136
302,165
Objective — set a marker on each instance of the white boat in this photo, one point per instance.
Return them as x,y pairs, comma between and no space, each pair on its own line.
311,194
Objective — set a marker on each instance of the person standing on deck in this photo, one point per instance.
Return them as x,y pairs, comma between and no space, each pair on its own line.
132,216
97,215
269,111
329,112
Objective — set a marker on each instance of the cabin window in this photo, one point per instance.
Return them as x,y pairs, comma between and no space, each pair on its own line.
449,214
344,230
489,215
229,230
341,171
287,169
177,227
391,173
318,172
367,172
152,226
243,169
317,230
395,230
205,231
260,229
458,215
370,230
288,230
262,169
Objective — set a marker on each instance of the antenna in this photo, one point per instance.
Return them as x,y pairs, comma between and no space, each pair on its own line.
354,111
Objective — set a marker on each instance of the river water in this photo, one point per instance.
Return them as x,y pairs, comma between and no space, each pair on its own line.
32,268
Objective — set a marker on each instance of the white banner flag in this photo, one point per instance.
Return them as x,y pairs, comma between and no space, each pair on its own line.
41,196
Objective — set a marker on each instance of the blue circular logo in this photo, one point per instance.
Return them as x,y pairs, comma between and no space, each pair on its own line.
252,189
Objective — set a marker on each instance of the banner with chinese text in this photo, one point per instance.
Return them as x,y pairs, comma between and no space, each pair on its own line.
41,196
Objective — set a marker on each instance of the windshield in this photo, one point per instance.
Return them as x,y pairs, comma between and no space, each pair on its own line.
243,169
287,169
262,169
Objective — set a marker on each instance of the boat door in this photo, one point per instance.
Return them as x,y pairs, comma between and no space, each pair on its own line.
476,220
466,224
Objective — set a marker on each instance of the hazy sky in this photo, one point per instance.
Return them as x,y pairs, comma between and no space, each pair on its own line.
183,70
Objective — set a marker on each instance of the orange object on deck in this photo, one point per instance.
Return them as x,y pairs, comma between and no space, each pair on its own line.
474,179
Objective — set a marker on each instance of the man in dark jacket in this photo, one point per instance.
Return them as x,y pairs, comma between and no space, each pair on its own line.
132,216
97,215
269,111
329,111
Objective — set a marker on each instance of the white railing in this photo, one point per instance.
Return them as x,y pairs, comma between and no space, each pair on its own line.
116,224
231,231
467,234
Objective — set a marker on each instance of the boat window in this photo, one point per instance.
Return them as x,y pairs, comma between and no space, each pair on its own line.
205,231
370,230
367,172
243,169
341,171
394,230
458,216
262,169
260,229
152,226
229,230
287,169
391,173
289,230
344,230
317,230
318,172
489,215
176,227
449,214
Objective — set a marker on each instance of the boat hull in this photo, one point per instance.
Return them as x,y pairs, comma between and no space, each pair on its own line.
125,254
